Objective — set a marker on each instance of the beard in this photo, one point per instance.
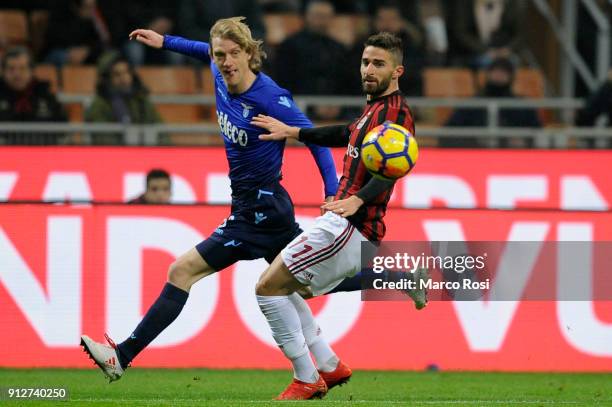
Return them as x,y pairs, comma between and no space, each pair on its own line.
377,89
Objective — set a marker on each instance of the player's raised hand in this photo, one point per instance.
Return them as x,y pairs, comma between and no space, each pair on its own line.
148,37
277,129
344,207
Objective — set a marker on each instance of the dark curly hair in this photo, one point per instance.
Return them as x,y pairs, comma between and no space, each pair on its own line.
387,41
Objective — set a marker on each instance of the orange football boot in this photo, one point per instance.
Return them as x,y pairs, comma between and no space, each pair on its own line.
338,377
299,390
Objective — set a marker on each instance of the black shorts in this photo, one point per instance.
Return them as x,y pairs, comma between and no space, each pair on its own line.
261,224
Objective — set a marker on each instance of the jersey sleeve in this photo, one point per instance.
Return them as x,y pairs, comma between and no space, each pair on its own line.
283,108
373,188
194,49
330,136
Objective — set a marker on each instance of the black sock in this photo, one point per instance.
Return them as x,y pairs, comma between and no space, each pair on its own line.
349,284
365,280
161,314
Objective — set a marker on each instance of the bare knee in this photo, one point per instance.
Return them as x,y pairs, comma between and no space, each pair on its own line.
264,286
277,280
179,274
184,272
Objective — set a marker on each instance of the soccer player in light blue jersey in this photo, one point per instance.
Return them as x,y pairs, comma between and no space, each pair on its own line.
262,220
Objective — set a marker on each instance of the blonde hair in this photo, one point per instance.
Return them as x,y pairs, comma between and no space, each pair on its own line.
236,30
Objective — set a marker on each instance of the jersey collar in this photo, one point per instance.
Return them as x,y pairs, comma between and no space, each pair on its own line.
237,95
397,92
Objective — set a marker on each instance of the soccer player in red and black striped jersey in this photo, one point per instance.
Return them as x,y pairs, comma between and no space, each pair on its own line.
322,257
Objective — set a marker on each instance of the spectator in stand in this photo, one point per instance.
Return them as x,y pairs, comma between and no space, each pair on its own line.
485,30
120,98
425,20
389,18
433,20
156,15
598,104
158,189
310,62
196,17
499,81
23,98
77,33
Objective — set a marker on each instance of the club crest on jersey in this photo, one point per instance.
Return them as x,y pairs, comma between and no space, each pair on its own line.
246,109
363,120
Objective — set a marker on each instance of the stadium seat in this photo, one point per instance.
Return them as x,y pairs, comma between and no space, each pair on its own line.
168,80
206,79
281,26
528,83
13,27
47,73
206,113
448,83
172,81
180,113
78,79
208,88
348,28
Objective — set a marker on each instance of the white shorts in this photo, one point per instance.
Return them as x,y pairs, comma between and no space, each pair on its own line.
326,254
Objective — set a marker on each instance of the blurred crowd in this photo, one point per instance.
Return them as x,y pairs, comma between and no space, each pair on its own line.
313,49
79,31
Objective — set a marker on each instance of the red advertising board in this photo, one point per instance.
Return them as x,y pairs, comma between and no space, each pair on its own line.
442,178
72,269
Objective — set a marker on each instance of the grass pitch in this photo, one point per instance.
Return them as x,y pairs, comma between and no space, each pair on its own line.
202,387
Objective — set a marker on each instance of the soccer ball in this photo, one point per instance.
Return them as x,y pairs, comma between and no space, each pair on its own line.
389,151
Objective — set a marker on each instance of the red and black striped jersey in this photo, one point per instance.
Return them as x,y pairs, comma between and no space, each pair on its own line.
393,107
369,218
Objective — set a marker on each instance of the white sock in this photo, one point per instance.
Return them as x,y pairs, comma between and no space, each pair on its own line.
287,332
326,359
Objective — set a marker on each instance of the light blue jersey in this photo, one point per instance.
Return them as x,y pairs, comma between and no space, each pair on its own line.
254,162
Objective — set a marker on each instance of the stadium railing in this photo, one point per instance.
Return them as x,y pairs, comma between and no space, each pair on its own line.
152,134
556,136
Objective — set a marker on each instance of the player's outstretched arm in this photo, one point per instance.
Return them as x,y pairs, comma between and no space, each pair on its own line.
147,37
195,49
277,129
327,136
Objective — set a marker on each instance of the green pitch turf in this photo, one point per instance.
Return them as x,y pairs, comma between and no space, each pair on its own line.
200,387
